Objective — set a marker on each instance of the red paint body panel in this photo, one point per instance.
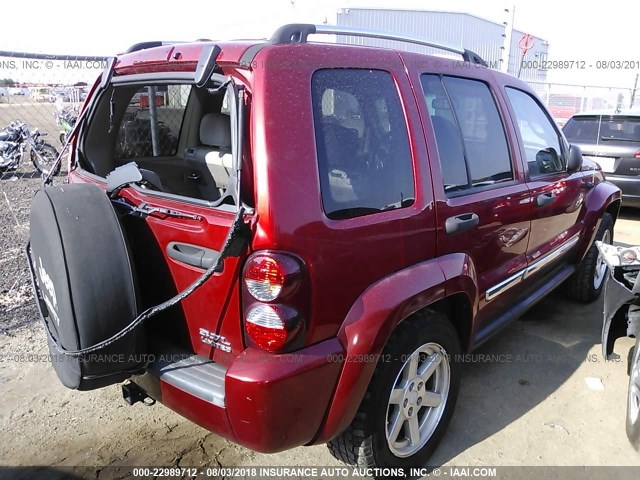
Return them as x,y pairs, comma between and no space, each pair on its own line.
277,402
366,328
292,220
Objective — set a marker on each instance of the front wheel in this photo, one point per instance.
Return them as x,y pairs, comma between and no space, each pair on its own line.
586,284
410,399
44,158
633,404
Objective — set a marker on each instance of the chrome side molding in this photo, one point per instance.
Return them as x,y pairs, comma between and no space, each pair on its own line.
515,279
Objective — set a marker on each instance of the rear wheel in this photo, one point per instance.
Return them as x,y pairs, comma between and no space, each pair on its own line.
44,158
586,284
410,399
633,402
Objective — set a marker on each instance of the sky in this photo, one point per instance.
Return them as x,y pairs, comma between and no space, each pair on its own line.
575,30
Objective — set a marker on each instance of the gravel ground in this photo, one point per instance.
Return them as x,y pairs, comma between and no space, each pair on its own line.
16,305
536,409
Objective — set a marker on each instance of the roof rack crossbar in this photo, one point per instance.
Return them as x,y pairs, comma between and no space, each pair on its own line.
298,33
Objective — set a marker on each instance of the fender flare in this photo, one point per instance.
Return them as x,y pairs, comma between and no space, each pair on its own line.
373,317
597,202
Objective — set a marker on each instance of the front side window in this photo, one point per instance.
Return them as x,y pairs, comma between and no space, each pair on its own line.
362,143
472,144
152,121
539,136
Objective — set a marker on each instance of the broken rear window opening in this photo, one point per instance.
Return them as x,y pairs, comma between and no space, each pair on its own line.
183,139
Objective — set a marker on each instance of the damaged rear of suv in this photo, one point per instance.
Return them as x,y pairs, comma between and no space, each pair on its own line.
282,242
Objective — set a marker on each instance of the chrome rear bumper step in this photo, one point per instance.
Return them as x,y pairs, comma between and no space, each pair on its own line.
193,374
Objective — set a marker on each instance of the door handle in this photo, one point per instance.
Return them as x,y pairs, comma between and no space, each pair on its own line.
461,223
193,255
545,199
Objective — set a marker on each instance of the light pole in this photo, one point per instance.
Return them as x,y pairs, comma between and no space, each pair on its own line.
508,33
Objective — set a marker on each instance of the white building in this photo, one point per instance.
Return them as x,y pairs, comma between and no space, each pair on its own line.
484,37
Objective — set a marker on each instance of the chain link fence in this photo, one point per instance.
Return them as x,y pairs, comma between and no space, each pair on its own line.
40,96
565,100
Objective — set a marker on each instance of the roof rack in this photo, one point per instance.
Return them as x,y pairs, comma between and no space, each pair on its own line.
298,33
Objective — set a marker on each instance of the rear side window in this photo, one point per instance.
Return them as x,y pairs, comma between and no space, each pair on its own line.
539,136
152,122
362,142
472,144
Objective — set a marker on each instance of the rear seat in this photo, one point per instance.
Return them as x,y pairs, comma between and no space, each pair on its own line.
215,149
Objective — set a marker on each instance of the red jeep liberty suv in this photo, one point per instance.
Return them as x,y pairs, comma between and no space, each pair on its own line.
293,243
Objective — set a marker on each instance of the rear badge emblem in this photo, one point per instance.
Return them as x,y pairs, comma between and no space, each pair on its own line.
215,340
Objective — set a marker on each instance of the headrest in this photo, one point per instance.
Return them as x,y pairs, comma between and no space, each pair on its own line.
215,131
440,103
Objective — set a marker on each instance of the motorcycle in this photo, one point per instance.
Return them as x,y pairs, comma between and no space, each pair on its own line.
622,318
16,138
66,119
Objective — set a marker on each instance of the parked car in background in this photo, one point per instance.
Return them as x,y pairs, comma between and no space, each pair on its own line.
333,235
19,91
63,94
612,139
41,94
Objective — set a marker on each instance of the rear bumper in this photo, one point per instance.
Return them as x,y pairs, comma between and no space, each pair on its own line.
264,402
630,187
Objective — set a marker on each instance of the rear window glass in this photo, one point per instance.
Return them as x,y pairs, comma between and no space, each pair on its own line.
593,129
152,122
362,142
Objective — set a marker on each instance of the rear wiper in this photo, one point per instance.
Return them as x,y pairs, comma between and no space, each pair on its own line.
618,139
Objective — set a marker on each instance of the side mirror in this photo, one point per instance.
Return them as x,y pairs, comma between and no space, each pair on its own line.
574,162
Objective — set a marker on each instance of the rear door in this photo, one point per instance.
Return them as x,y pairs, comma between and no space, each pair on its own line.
557,196
481,194
178,238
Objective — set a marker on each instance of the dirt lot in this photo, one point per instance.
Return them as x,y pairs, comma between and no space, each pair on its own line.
533,409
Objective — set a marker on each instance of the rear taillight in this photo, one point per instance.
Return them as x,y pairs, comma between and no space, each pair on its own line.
271,326
275,300
637,155
264,278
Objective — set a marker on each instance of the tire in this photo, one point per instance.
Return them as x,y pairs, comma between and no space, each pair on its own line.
364,443
44,159
586,284
85,286
633,398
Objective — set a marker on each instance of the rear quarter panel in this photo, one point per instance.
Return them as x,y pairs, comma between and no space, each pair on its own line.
344,257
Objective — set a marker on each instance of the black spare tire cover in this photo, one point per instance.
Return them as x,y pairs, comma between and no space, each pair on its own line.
85,284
